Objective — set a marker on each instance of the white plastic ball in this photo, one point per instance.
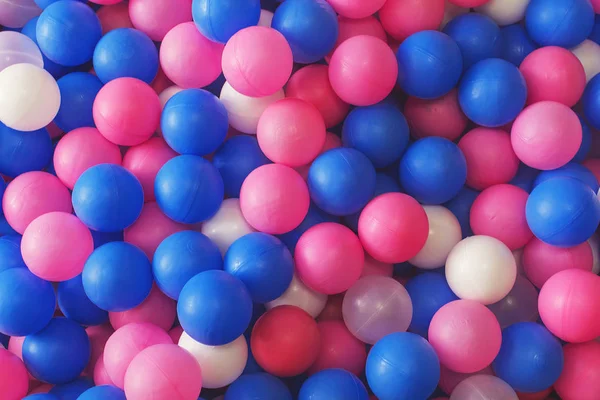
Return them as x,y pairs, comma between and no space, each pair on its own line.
16,48
166,94
299,295
227,225
29,97
220,365
16,13
481,268
243,111
504,12
266,18
444,234
452,11
594,242
588,53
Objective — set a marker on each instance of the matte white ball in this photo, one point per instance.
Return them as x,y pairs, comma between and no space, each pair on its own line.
444,234
594,242
504,12
16,48
166,94
481,268
452,11
227,225
220,365
266,18
29,97
299,295
588,53
243,111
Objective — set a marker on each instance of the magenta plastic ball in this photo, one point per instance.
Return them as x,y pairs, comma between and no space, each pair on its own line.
14,380
356,8
519,305
157,309
156,17
114,16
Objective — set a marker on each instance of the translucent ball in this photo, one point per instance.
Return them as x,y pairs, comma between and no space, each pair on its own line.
483,387
16,48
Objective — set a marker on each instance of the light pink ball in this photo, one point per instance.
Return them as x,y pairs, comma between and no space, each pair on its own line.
114,17
98,336
55,246
101,377
156,17
144,161
32,194
546,135
176,333
163,371
465,335
14,380
291,132
350,27
541,261
257,61
329,258
126,343
274,199
356,8
157,309
339,349
363,70
81,149
374,267
189,59
450,379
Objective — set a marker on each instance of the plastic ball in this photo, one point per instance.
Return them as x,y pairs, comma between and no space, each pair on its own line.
71,390
516,44
75,304
156,18
519,305
339,349
402,366
299,295
356,8
78,91
581,364
504,12
401,18
167,93
591,101
22,152
103,392
570,170
363,71
450,379
14,382
227,225
483,387
523,345
16,48
564,23
157,309
98,336
101,377
350,27
15,14
219,21
10,253
257,385
114,16
333,384
588,54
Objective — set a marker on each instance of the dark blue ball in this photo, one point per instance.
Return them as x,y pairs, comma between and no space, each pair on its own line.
570,170
261,386
41,396
429,64
530,358
75,305
333,384
105,392
460,206
595,35
219,20
53,68
180,257
314,216
10,252
525,177
586,141
71,390
78,91
23,151
45,3
591,102
101,238
516,44
58,353
564,23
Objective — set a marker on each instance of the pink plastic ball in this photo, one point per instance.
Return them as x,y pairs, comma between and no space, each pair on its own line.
596,5
569,305
14,380
333,309
543,395
402,18
157,17
465,335
490,157
579,378
98,336
339,349
32,194
546,135
157,309
144,161
127,111
126,343
350,27
81,149
101,377
332,141
176,333
450,379
356,8
374,267
55,246
106,2
393,228
257,61
114,17
593,164
363,70
274,199
329,258
541,261
519,305
291,132
15,346
189,59
468,3
553,74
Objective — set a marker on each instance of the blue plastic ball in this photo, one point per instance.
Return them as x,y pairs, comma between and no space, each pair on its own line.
235,159
563,212
477,36
402,366
23,151
189,189
58,353
117,276
214,308
530,358
333,384
263,263
525,177
182,256
10,252
101,238
104,392
341,181
72,390
460,206
429,64
516,44
53,68
5,228
570,170
67,32
27,301
564,23
586,141
219,20
258,386
194,121
314,216
309,26
75,305
108,198
591,102
595,35
78,91
45,3
380,132
41,396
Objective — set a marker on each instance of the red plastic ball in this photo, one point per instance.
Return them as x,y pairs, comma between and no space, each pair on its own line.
339,349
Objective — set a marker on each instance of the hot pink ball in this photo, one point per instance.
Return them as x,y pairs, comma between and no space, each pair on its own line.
176,333
374,267
101,377
465,335
127,111
291,132
189,59
541,261
311,84
581,370
257,61
490,157
339,349
164,371
333,309
569,305
81,149
274,199
546,135
329,258
32,194
98,336
350,27
114,17
157,17
14,380
450,379
55,246
126,343
363,70
553,74
393,228
402,18
499,212
356,8
468,3
144,161
157,309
